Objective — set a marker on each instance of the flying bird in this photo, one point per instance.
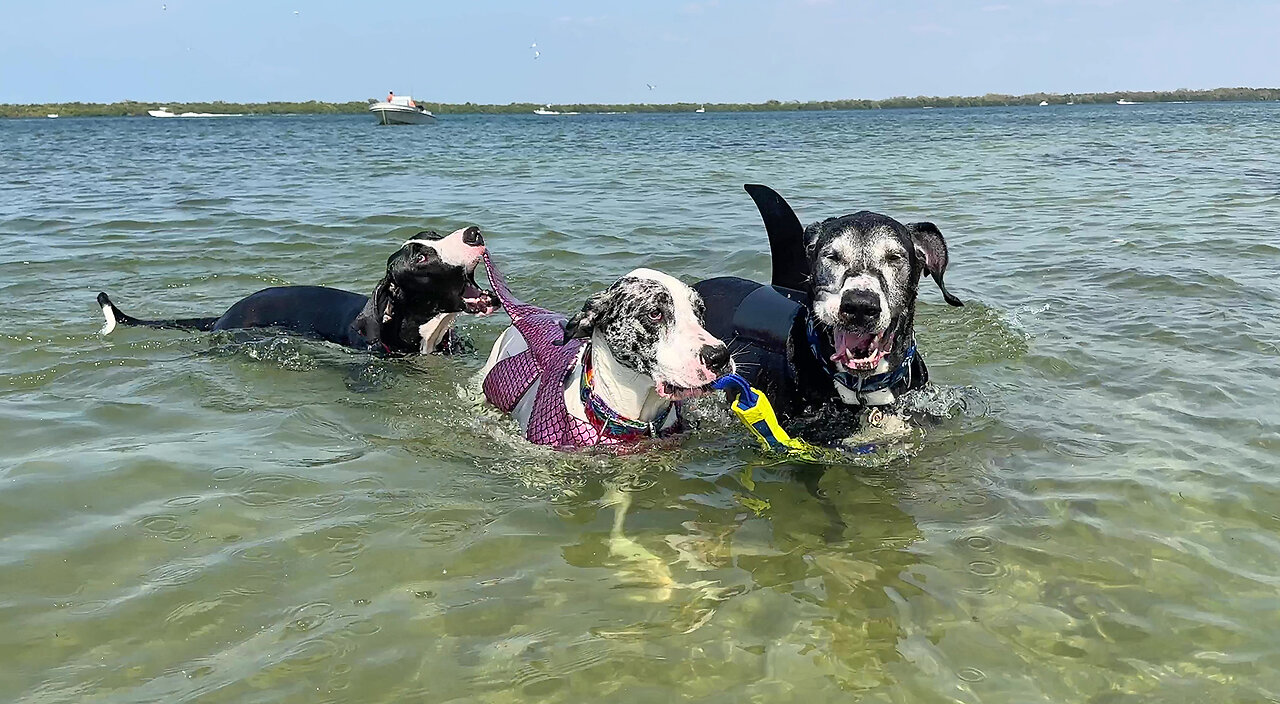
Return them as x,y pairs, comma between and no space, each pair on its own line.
536,54
164,7
651,86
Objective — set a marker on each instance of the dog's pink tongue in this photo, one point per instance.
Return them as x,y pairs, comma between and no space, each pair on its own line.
849,345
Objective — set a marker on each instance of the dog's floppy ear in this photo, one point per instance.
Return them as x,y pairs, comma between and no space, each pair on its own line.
384,296
931,248
786,238
370,320
810,239
583,323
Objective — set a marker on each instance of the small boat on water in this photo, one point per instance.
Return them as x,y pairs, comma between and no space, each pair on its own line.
52,115
401,110
164,112
546,111
1043,103
1126,102
701,109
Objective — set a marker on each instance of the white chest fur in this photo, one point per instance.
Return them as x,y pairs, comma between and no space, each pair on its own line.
434,330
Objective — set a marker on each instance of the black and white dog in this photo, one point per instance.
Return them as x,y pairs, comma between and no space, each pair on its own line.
838,323
611,374
428,282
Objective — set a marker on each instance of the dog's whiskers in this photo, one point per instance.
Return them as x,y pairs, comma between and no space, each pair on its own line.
738,365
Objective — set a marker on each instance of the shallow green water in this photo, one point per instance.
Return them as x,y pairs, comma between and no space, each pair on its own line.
266,519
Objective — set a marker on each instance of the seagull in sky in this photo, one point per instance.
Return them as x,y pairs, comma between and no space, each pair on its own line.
651,86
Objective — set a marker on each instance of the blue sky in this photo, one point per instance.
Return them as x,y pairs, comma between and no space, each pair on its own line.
699,50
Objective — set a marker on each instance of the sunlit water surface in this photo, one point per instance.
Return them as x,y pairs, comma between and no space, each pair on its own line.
240,518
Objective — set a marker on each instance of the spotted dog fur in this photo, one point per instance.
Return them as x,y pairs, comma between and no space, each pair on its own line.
649,349
653,324
630,315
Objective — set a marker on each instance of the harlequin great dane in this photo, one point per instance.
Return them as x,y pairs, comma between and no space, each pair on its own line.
613,374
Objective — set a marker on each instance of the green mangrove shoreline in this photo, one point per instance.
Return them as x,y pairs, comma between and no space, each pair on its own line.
133,108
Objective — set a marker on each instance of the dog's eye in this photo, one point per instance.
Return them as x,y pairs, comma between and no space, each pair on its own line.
655,316
420,259
831,256
893,258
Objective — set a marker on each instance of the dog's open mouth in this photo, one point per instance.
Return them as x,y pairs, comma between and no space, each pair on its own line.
477,301
861,351
673,392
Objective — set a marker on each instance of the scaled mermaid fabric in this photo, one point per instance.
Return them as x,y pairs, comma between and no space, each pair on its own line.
545,361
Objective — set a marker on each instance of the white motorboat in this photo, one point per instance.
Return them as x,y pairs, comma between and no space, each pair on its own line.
1043,103
1125,102
401,110
701,109
546,111
52,115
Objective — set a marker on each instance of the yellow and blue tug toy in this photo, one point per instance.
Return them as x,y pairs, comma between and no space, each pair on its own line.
752,407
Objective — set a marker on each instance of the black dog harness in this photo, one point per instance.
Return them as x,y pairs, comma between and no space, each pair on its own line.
865,384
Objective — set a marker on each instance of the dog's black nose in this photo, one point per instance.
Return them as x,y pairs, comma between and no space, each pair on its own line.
860,308
471,237
716,357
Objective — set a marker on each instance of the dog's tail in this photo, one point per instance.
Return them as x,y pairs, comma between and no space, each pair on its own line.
115,316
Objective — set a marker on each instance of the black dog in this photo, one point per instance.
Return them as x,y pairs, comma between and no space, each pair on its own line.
837,325
429,280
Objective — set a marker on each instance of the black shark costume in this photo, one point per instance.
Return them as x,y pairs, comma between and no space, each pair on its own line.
783,348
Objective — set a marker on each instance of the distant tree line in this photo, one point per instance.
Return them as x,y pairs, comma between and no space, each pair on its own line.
313,107
133,108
